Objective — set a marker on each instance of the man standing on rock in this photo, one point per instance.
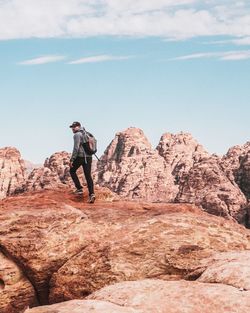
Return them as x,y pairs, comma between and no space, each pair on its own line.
81,157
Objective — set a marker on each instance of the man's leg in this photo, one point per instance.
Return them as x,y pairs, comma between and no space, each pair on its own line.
76,164
87,173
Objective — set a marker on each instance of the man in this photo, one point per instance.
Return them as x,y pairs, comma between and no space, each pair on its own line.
81,157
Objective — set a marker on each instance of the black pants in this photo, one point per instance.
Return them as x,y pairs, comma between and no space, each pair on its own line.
87,172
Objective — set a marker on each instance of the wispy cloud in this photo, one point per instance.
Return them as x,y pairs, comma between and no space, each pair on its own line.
43,60
242,41
225,56
99,58
176,19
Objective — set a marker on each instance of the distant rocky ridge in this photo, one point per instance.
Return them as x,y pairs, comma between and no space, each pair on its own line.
179,169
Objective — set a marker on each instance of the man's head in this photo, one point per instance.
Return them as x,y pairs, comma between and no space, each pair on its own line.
75,127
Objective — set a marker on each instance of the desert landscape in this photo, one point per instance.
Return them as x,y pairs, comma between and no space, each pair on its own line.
168,233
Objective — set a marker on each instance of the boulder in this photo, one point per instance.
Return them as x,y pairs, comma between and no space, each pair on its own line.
229,268
175,297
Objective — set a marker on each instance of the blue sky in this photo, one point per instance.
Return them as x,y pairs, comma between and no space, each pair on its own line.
176,75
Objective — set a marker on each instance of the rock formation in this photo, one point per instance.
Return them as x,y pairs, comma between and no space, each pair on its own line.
54,173
229,268
147,296
16,292
12,173
180,170
206,184
134,170
62,248
180,152
236,163
175,297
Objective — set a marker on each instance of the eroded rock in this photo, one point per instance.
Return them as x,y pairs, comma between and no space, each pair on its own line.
168,245
206,184
229,268
16,292
134,170
12,173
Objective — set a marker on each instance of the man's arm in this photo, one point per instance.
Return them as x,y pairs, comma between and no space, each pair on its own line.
77,142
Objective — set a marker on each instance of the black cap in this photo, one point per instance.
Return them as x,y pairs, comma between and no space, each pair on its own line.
75,124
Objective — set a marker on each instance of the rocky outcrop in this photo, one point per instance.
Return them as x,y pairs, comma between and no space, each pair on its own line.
12,173
175,297
229,268
180,152
41,231
147,296
145,249
68,249
206,184
236,164
54,173
43,239
180,170
16,292
134,170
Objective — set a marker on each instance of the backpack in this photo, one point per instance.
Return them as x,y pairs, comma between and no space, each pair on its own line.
91,147
92,143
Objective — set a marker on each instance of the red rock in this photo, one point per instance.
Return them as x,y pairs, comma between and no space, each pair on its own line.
86,306
167,242
229,268
16,292
175,297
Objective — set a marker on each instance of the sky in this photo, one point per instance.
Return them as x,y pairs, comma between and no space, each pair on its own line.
162,66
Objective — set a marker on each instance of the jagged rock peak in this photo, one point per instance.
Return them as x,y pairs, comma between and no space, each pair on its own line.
236,164
133,169
180,151
12,174
181,143
130,142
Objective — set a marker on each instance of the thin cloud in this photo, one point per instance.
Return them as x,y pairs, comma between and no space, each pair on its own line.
43,60
244,41
174,19
225,56
99,58
195,56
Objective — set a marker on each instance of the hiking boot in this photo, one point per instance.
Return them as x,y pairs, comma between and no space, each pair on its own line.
78,192
91,198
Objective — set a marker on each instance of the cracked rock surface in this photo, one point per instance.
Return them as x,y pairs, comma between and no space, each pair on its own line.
66,249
